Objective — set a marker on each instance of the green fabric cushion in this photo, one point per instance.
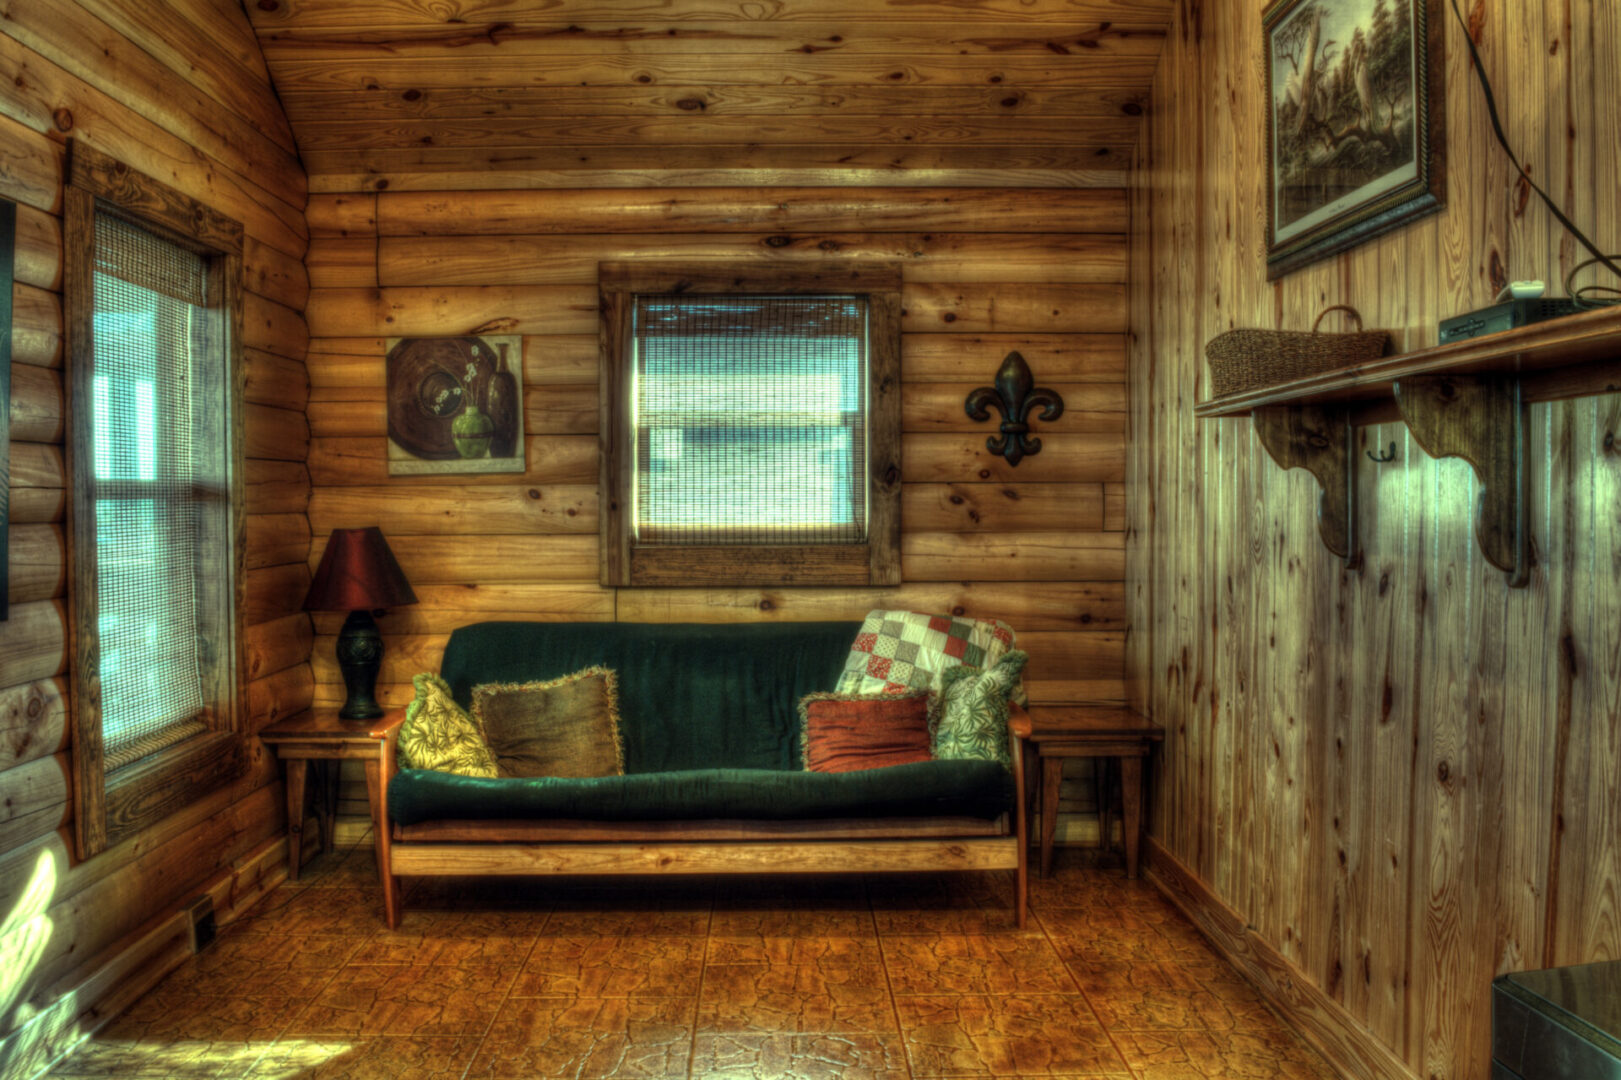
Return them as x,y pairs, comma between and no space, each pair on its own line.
973,711
929,788
691,696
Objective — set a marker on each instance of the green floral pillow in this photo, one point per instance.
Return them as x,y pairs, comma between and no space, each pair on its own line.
973,710
438,734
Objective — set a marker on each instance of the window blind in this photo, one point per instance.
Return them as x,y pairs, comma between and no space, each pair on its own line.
750,419
148,432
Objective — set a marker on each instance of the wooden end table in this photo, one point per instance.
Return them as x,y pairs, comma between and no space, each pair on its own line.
318,735
1061,732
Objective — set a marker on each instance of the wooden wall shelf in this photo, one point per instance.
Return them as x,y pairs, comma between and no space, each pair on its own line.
1463,400
1561,358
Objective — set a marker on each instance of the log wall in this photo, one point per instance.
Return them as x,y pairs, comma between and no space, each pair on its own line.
201,118
986,271
1379,788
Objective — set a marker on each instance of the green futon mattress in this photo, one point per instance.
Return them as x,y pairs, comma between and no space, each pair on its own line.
924,789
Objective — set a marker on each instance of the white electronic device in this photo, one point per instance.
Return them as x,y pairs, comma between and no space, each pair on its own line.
1522,290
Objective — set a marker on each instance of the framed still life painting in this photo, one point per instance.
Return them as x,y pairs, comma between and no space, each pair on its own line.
455,405
1355,123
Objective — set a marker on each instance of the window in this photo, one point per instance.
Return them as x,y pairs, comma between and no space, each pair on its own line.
150,298
778,454
751,425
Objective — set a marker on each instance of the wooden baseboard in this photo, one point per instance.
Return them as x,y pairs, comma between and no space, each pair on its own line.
1323,1022
97,991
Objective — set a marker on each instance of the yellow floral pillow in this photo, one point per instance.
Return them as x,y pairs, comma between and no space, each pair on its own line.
438,734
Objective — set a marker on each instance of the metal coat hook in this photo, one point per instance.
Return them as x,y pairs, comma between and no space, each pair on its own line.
1380,459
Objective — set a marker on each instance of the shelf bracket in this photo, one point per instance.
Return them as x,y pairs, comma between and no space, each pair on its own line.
1482,420
1320,441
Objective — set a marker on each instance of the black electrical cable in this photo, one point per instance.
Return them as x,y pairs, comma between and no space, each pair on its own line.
1607,261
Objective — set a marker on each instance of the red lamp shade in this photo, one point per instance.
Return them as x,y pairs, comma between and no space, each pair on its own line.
358,572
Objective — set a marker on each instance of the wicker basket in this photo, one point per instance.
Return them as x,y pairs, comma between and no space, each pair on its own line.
1242,360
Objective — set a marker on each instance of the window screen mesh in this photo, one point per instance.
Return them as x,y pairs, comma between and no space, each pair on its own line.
751,419
149,309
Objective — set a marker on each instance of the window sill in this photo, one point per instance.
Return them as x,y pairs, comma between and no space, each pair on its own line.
148,790
766,564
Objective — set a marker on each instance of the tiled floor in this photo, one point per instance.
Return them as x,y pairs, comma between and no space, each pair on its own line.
884,977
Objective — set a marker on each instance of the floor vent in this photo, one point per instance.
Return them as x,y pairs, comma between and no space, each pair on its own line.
200,913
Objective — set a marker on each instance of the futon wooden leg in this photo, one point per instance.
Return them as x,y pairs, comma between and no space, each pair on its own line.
1052,780
297,772
385,874
1032,779
1021,884
1100,774
1131,797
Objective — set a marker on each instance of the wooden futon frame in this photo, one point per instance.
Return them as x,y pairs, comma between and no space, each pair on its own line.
610,848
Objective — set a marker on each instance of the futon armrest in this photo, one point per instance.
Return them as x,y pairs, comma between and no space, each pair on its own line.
1018,721
388,730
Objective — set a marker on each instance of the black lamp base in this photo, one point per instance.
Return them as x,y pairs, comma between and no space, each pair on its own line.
360,656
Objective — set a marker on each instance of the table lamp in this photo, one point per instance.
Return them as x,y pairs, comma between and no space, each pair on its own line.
359,574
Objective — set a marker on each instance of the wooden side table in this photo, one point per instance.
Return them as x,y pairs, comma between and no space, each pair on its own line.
1062,732
318,735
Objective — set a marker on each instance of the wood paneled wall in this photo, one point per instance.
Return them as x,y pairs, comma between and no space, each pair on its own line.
986,271
182,95
1381,787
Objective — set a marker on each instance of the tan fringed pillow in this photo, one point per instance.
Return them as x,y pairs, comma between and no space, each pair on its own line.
567,726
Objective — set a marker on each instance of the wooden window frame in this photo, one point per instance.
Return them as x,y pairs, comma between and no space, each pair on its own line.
110,807
875,562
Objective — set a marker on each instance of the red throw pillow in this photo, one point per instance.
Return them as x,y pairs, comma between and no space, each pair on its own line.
847,732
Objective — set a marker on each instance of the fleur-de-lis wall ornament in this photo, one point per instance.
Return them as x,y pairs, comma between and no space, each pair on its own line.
1015,394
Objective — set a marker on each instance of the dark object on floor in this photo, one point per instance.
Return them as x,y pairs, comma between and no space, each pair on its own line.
1558,1024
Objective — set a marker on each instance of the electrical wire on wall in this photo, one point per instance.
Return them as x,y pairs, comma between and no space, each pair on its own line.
1586,296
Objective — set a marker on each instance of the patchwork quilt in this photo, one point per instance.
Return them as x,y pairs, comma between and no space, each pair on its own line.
898,651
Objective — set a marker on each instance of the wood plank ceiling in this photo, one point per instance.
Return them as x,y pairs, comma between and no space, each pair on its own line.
518,93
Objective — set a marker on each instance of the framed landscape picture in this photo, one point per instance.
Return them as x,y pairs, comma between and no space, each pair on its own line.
455,405
1355,123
